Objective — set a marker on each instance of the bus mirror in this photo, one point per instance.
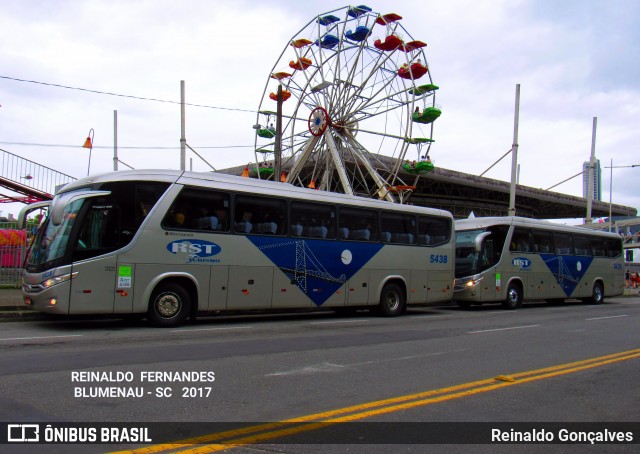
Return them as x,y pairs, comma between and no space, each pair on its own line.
28,209
477,244
61,201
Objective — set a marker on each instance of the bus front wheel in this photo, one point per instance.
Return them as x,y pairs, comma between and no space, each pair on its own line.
170,305
597,295
392,301
514,297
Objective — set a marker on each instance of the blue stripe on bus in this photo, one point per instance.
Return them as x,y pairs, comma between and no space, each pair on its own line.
567,269
318,267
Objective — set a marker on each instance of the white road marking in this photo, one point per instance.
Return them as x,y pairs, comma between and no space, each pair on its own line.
339,321
330,367
501,329
603,318
209,329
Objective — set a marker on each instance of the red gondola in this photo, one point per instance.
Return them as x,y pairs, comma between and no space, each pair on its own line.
388,18
285,95
301,63
390,43
415,71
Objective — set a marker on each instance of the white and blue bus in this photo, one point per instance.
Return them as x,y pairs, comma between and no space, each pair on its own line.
169,245
511,259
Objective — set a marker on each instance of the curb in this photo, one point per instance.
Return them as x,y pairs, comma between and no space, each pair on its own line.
19,313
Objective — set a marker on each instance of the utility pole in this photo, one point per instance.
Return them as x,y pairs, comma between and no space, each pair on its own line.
183,140
592,165
514,156
115,140
277,152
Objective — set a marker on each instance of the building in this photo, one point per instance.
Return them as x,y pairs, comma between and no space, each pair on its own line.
597,180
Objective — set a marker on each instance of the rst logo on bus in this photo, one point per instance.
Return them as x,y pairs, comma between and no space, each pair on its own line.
521,262
195,247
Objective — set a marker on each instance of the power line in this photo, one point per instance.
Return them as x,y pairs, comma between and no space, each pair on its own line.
142,98
119,147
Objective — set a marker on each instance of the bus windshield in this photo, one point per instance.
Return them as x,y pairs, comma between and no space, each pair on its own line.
87,223
478,250
50,242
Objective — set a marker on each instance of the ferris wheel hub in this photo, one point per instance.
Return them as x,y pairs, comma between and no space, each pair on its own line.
318,121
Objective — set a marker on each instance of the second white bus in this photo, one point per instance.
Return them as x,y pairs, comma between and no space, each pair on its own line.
511,259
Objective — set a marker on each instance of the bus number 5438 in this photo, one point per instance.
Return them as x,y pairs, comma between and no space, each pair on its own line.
435,258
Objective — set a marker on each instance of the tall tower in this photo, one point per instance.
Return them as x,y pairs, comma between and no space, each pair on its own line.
597,180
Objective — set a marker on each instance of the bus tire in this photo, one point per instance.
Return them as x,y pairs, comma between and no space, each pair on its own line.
514,297
392,300
597,294
170,305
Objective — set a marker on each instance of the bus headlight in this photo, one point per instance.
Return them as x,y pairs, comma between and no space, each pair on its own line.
58,280
472,282
467,283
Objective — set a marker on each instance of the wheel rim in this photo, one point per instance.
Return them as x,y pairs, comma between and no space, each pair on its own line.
168,305
513,296
392,301
597,294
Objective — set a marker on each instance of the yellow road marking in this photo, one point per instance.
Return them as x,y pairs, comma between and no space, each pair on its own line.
270,431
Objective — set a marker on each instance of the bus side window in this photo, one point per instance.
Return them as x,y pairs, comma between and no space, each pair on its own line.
542,241
358,224
520,241
562,242
260,215
433,231
317,220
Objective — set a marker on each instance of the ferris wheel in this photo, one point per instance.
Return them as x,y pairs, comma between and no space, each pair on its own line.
358,106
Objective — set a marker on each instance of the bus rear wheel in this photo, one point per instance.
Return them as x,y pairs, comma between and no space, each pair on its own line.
392,301
514,297
169,305
597,294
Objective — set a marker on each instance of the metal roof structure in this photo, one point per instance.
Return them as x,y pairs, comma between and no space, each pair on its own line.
463,193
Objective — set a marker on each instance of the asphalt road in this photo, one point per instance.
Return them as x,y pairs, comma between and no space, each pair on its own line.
563,363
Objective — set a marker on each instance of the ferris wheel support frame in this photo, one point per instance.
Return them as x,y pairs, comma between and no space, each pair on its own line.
379,181
297,165
331,144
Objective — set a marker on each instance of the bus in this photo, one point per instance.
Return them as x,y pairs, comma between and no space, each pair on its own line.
167,245
511,259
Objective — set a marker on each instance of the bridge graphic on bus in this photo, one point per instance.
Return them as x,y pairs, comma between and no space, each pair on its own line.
315,265
568,270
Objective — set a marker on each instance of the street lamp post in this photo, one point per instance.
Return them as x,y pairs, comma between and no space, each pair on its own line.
88,143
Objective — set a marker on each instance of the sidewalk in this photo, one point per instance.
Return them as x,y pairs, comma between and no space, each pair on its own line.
12,307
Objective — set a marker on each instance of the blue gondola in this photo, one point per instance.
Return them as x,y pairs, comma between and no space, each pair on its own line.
360,34
357,11
326,20
327,42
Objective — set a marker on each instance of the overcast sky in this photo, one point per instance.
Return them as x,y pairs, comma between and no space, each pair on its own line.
574,60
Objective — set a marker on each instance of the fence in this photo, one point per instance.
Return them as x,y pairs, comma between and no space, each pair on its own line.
13,245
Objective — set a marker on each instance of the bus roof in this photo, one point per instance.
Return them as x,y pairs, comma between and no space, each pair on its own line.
483,222
241,184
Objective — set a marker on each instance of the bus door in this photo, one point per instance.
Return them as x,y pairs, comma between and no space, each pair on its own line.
92,288
100,284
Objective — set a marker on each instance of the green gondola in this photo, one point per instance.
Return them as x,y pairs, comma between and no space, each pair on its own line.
418,140
265,172
267,133
422,89
428,115
418,167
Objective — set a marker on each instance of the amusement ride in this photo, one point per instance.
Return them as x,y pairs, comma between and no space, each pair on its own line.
355,90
